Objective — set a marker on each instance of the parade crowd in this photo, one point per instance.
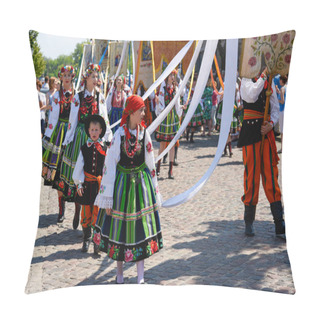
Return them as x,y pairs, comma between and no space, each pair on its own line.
98,154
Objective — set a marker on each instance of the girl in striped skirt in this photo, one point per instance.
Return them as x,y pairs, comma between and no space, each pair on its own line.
85,103
128,225
56,131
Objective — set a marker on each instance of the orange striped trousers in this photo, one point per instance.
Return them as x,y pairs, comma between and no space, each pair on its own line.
89,215
255,166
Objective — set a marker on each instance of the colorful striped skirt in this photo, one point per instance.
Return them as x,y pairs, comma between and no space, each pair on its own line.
234,122
132,232
51,158
197,119
115,115
69,159
168,127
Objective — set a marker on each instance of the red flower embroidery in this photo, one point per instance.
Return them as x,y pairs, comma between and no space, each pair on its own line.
149,147
94,108
55,100
287,58
50,126
153,246
83,110
76,103
286,38
153,173
97,238
268,55
69,126
274,37
111,252
61,184
252,61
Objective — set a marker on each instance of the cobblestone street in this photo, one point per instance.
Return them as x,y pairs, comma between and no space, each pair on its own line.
204,240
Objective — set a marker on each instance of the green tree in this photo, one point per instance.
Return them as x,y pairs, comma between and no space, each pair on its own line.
38,59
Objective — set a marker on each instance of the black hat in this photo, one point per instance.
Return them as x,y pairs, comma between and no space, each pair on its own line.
95,118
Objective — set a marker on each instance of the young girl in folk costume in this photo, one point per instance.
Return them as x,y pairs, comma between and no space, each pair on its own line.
128,225
56,131
207,102
197,119
85,103
116,100
171,124
87,175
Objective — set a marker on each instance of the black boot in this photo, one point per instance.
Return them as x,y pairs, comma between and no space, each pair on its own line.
61,209
76,216
191,138
86,239
158,168
175,162
164,160
187,136
170,175
249,216
277,213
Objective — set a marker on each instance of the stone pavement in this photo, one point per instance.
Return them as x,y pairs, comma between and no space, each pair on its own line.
204,241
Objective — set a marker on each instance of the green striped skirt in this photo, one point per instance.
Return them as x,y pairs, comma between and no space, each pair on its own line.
197,119
168,127
69,159
53,152
132,232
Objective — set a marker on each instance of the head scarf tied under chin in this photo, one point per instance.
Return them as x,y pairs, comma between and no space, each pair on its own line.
133,103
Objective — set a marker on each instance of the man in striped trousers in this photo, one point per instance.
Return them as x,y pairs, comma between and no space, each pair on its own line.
259,162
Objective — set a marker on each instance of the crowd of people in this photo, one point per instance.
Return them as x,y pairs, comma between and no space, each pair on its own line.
98,154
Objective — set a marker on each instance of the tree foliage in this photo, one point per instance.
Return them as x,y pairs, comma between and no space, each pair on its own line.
38,59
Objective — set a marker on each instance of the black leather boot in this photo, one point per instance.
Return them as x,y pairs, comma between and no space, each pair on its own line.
158,168
277,213
170,175
249,216
175,162
61,209
164,159
76,216
86,239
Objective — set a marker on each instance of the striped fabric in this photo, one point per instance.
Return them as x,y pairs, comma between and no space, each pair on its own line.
52,153
115,115
197,119
169,127
132,232
69,159
256,166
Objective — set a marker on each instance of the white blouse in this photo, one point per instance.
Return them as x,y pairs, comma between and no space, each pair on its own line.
104,198
161,105
73,118
109,99
249,92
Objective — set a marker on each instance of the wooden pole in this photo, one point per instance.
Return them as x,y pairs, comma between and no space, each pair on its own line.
137,68
266,110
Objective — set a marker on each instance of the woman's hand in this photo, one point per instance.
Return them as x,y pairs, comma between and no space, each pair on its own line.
80,192
108,211
266,127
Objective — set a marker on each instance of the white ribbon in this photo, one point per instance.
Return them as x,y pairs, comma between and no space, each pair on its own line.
227,114
133,65
205,68
174,62
81,65
153,126
123,54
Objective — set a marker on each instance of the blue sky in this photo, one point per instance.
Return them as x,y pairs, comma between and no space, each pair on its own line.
53,46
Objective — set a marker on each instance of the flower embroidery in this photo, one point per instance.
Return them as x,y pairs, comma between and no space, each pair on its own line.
104,169
286,38
149,147
94,108
97,238
50,126
157,189
55,100
153,173
61,184
76,103
74,100
287,58
111,252
274,37
268,55
102,188
153,246
69,192
252,61
83,110
128,256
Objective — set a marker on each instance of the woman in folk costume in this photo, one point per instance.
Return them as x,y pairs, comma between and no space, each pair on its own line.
171,124
87,102
128,225
197,119
56,131
116,100
207,103
259,163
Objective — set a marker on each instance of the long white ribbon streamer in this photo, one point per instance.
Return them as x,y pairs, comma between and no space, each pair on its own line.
133,64
205,68
153,126
173,63
81,66
123,54
227,113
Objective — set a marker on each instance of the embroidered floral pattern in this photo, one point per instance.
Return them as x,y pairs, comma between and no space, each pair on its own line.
50,126
128,256
153,173
102,188
97,238
153,246
149,147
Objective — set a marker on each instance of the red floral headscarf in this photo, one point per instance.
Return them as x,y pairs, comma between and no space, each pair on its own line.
133,103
